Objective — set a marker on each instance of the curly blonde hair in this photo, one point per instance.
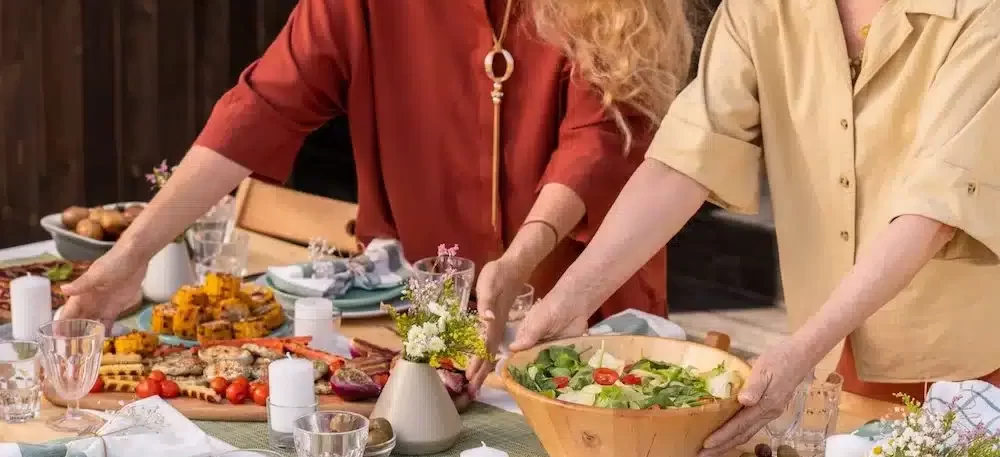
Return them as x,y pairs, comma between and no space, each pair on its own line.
637,53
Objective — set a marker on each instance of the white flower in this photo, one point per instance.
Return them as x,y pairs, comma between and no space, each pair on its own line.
438,310
422,340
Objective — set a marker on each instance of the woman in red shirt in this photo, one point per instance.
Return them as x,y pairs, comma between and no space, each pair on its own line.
517,164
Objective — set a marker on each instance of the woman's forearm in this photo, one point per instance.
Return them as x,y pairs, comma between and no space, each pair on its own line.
879,274
557,210
655,203
200,181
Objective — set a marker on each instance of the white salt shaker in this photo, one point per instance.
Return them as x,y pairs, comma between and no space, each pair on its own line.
30,305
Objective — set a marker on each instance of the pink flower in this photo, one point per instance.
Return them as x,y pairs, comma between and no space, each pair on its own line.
445,251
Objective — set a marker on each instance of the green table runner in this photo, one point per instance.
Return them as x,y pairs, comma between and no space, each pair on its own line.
481,423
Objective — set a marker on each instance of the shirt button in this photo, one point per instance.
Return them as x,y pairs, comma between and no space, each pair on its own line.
844,124
844,235
844,182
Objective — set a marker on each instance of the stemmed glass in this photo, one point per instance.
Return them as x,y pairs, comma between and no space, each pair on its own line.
779,429
71,357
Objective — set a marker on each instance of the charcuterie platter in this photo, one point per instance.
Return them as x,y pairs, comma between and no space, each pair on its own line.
227,379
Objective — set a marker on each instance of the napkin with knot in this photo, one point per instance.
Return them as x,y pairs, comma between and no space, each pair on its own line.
149,427
381,266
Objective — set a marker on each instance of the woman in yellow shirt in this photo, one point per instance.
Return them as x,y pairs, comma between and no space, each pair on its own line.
885,180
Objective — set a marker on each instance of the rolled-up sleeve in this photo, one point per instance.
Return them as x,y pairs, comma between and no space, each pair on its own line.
590,158
293,89
712,130
953,172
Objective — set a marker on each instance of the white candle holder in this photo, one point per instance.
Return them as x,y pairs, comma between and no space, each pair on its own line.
281,423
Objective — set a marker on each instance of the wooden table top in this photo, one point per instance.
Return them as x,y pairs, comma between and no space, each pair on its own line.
854,410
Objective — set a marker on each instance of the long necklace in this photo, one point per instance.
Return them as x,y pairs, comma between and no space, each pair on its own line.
497,96
857,61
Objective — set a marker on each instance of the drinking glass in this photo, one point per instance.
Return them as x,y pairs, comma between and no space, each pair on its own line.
71,356
20,381
780,429
331,434
819,418
434,270
522,303
221,251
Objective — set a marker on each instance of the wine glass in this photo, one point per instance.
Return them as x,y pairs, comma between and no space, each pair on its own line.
71,357
781,427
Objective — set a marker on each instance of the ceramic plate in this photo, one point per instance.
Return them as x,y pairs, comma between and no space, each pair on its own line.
145,324
354,298
359,312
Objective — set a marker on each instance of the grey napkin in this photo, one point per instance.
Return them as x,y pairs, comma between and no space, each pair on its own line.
43,450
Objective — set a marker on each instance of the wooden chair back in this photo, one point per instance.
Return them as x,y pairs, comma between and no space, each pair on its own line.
290,215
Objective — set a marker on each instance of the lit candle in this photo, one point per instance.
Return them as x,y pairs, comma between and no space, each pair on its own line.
30,305
484,451
291,392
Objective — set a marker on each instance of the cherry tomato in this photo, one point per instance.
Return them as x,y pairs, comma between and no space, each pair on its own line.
219,385
260,394
157,376
631,380
381,379
169,389
605,376
561,381
98,386
242,380
148,388
447,364
237,393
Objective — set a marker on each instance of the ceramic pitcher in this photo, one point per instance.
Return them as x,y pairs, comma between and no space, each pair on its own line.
168,270
420,410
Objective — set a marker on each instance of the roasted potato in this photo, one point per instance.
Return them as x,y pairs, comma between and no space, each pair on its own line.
113,222
73,215
90,229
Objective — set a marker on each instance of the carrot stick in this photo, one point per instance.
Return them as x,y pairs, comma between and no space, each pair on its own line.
312,354
259,341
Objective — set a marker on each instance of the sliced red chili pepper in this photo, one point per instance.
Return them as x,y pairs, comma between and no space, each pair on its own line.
561,381
605,376
631,380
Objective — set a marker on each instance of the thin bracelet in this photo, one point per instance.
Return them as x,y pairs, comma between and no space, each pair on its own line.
555,232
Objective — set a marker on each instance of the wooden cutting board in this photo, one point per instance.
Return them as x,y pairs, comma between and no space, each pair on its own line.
195,409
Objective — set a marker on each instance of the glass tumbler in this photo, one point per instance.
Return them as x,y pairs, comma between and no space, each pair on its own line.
819,417
71,356
522,304
781,430
221,251
20,381
433,271
331,434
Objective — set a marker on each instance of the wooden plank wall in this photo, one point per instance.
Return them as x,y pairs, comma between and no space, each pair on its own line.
91,97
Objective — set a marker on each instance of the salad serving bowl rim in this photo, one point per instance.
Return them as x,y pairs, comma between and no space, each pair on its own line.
517,390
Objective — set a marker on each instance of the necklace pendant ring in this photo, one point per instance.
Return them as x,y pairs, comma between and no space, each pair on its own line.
490,60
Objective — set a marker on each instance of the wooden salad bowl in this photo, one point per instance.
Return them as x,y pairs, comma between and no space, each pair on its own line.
571,430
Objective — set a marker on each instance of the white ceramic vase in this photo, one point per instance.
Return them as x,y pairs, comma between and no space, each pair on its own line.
422,414
168,270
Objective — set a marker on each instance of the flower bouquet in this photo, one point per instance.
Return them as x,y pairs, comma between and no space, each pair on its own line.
438,336
938,432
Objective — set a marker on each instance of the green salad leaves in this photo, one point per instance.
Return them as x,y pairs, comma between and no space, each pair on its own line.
560,372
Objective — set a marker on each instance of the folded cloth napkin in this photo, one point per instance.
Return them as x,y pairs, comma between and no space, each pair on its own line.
149,427
635,322
381,266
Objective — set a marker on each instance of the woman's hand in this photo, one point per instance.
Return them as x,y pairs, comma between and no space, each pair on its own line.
775,377
499,284
110,286
550,319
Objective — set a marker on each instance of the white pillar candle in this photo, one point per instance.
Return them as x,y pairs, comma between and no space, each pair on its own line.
484,451
314,318
31,305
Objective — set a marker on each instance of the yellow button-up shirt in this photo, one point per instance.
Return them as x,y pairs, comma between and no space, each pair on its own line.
918,133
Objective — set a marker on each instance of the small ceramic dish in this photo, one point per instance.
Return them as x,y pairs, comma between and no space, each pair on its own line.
381,450
76,247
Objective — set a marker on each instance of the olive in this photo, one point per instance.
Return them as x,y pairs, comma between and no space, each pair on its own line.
380,423
73,215
762,450
376,437
786,451
90,229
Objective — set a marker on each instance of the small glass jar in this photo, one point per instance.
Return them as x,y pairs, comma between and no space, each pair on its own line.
281,423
